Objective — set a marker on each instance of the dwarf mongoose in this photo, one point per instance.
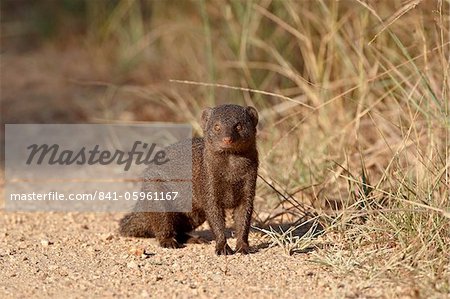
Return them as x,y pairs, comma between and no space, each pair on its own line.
224,171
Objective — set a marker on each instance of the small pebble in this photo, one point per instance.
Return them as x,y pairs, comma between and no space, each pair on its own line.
108,237
136,251
45,242
132,265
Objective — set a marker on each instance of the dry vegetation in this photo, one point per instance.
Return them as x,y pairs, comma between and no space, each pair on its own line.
354,105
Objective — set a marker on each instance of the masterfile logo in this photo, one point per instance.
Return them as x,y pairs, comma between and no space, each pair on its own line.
52,155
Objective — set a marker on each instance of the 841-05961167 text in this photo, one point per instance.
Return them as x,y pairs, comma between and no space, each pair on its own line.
97,195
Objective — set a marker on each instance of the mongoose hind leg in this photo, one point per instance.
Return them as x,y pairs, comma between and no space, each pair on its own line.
136,224
164,227
167,242
188,222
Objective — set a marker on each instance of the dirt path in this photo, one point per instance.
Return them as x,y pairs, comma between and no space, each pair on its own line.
80,255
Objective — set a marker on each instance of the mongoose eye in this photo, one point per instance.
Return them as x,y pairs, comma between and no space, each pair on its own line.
239,127
216,128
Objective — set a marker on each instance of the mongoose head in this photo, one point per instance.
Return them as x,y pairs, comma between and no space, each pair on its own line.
230,128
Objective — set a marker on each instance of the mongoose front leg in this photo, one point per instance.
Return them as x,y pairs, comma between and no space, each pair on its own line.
243,216
214,209
215,215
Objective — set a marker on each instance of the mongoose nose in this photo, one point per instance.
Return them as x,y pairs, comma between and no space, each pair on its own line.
227,140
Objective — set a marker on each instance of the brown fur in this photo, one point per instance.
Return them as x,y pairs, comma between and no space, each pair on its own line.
224,171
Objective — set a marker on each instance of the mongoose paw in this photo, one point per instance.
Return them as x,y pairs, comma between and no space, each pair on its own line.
169,243
224,250
242,248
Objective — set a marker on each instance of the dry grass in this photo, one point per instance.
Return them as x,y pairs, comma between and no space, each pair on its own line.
355,116
360,122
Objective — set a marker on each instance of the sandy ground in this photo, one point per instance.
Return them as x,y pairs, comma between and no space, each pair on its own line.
76,255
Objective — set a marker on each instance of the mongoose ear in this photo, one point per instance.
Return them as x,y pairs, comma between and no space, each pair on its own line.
206,113
253,115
